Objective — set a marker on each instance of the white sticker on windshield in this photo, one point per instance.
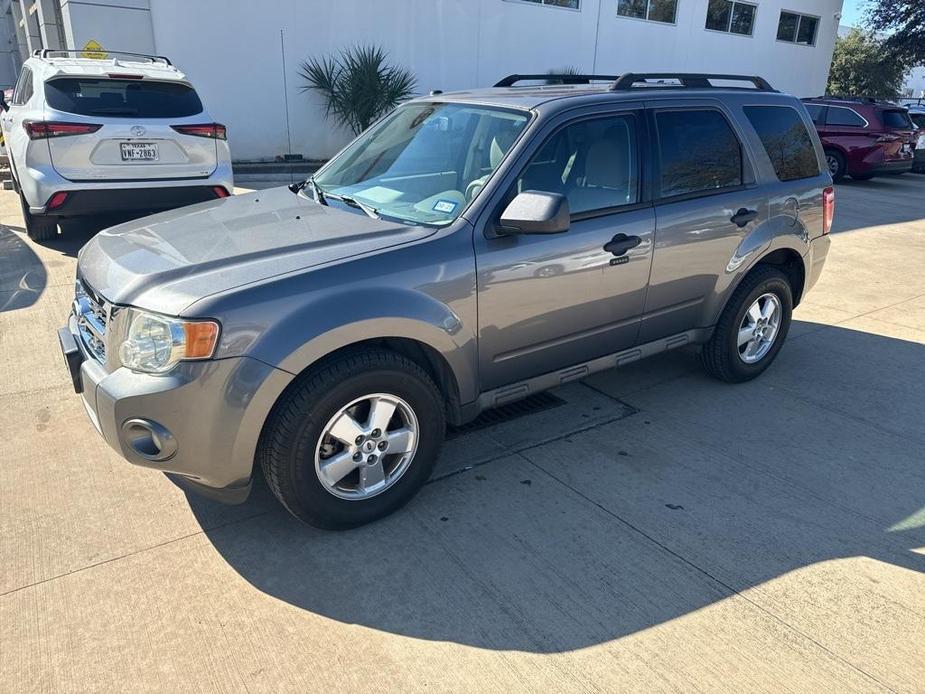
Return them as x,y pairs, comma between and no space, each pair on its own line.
444,206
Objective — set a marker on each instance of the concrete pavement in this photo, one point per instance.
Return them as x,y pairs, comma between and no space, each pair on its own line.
656,531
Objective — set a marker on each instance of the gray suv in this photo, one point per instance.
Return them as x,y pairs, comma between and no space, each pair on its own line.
469,249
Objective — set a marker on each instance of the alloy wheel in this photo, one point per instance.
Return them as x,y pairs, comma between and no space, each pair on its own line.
366,446
759,328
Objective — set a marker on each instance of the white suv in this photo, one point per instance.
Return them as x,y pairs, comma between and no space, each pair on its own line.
129,133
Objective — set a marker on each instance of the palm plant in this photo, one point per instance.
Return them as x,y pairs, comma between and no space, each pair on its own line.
567,70
358,85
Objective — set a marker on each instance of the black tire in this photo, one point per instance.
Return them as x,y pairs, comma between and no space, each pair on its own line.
836,164
286,451
720,356
38,227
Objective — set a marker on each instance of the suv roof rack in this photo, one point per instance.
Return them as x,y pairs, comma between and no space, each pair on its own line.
64,52
562,78
691,80
855,99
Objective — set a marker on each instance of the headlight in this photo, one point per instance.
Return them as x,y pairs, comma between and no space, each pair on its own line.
154,344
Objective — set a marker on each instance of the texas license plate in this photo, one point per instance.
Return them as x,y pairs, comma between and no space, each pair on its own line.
138,151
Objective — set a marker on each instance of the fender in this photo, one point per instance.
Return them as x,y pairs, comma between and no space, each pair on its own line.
779,234
336,320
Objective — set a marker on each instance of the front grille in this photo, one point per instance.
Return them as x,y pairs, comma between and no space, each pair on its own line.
92,314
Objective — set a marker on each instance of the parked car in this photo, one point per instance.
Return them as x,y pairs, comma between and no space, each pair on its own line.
468,250
863,138
917,114
126,134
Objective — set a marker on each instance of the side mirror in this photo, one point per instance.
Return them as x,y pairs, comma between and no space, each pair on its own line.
536,212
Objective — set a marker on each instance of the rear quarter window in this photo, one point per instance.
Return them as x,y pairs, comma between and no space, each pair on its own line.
786,140
896,119
122,98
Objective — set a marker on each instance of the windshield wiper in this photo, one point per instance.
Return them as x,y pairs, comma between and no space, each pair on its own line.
309,183
353,202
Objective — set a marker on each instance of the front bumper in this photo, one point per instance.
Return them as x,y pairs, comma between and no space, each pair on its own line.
206,416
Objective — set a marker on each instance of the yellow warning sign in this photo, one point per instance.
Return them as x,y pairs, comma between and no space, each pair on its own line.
92,49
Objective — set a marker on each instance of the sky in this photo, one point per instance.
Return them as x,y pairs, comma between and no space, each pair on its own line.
852,11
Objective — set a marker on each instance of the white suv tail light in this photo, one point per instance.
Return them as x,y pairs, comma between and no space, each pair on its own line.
41,129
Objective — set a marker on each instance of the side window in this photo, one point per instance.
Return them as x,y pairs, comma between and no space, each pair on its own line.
839,115
25,78
594,163
786,140
816,112
698,152
27,88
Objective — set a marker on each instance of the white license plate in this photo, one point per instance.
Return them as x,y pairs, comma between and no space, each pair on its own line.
138,151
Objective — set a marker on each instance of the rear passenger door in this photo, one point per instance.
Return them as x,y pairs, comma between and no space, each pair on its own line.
708,207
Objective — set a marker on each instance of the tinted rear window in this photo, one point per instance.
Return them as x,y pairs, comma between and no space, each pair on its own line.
896,119
122,98
786,140
839,115
698,152
816,112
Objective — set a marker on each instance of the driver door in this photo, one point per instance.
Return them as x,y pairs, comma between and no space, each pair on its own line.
549,301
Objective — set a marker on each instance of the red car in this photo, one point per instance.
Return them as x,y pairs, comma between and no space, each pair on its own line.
862,137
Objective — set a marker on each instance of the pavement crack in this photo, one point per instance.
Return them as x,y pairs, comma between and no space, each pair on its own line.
142,550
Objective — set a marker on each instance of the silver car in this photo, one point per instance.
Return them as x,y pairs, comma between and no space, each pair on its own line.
468,250
127,133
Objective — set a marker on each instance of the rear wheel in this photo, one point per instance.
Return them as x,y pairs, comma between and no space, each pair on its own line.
752,327
353,440
836,163
38,227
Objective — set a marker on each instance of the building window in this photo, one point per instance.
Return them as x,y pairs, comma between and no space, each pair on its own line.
570,4
653,10
731,17
797,28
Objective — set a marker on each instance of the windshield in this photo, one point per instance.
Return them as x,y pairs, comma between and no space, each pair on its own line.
424,162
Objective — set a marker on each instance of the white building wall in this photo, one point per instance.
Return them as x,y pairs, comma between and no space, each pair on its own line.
232,51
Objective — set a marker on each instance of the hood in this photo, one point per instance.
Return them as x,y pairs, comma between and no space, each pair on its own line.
168,261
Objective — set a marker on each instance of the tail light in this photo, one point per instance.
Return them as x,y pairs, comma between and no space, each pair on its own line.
214,130
828,209
40,129
220,192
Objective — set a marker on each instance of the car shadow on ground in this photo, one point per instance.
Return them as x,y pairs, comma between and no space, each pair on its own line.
23,277
700,494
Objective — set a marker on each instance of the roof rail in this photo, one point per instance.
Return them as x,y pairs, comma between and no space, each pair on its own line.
51,52
857,99
695,80
511,80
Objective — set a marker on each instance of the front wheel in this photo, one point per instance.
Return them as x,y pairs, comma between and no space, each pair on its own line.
752,327
354,439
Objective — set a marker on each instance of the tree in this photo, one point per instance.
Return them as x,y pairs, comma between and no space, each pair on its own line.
358,85
903,22
861,67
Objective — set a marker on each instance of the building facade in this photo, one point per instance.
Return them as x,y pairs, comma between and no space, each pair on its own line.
244,56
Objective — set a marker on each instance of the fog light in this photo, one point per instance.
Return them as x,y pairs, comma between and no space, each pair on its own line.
148,439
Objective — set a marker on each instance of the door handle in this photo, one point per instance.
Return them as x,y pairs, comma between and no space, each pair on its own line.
743,217
621,243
